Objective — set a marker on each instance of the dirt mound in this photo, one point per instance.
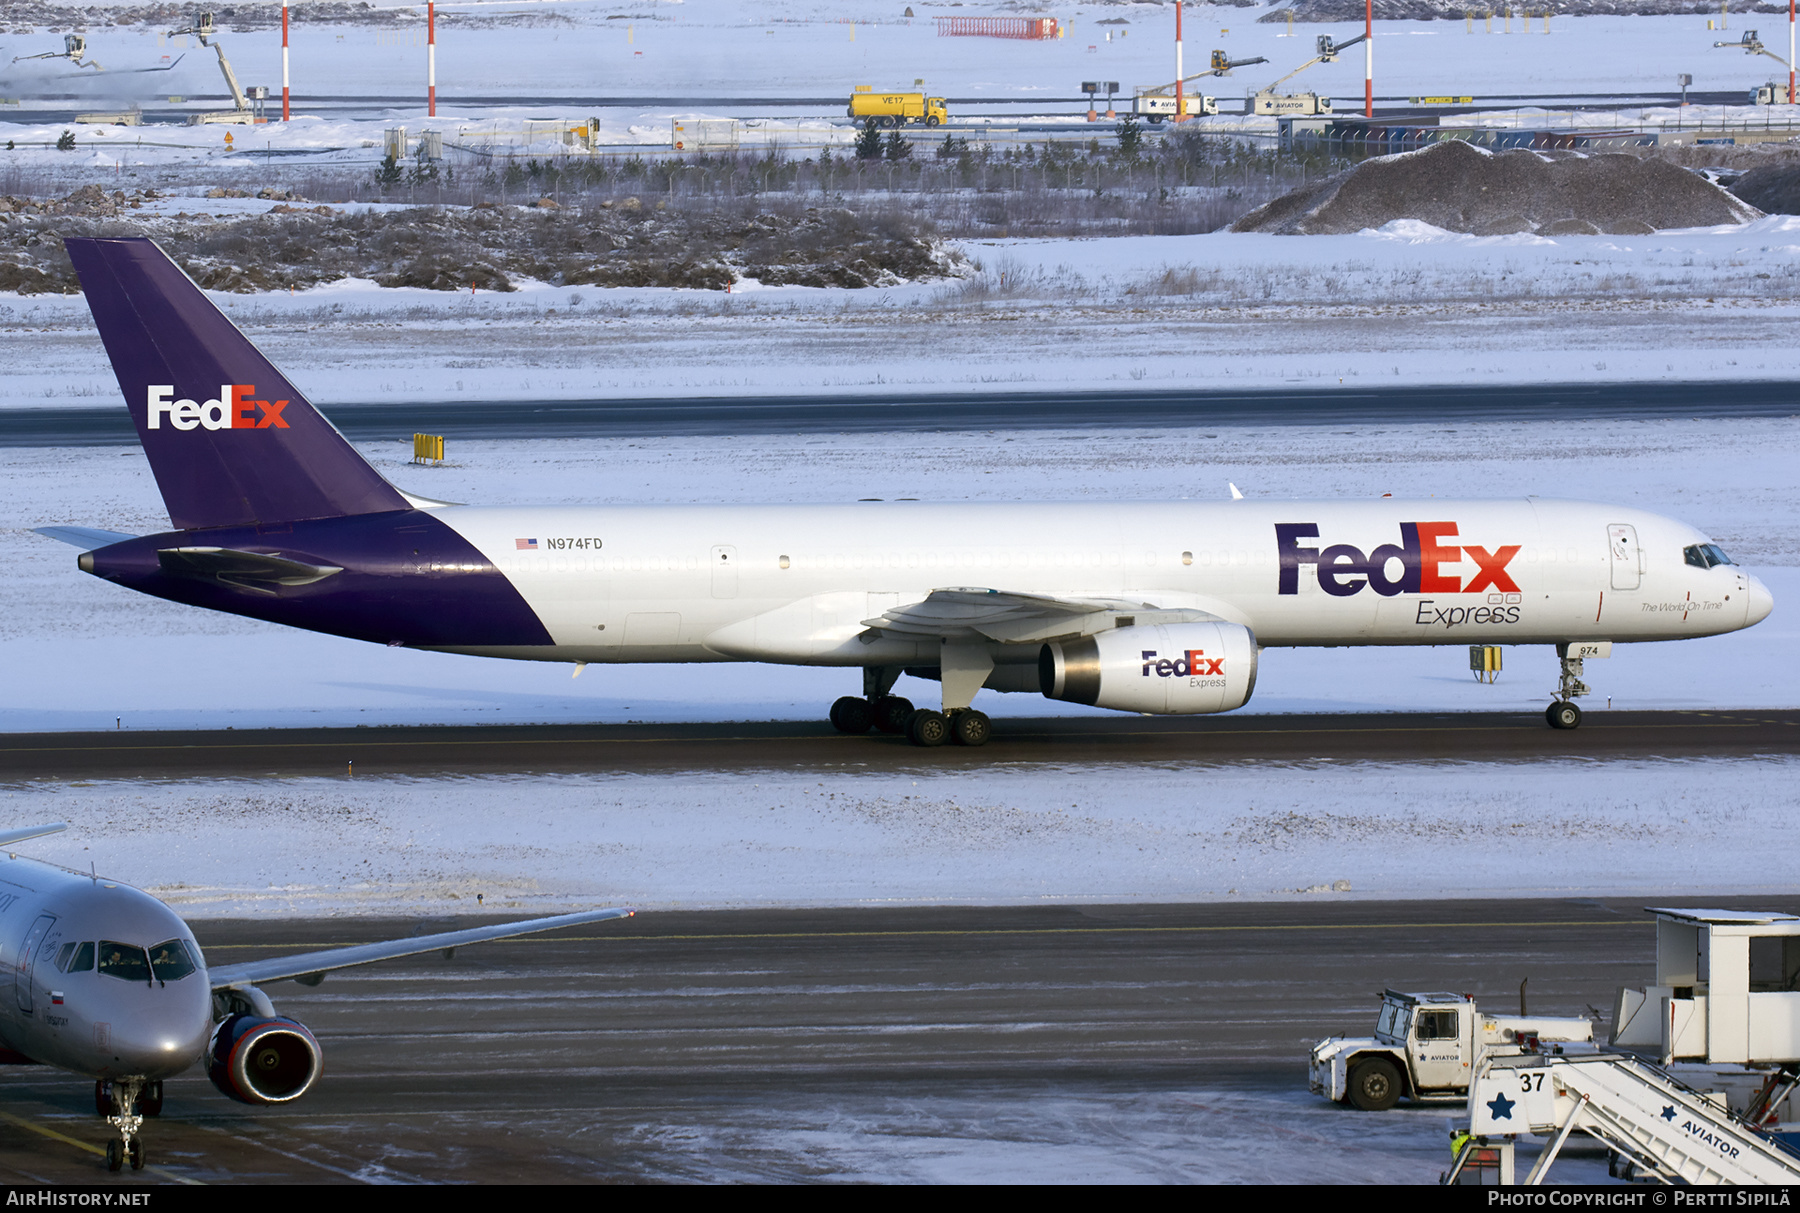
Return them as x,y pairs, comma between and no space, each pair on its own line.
1773,189
1462,188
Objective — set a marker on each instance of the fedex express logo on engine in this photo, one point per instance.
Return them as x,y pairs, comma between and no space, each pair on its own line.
1193,663
1423,550
234,409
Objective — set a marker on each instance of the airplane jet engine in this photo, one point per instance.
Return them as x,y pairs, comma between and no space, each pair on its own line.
257,1060
1169,669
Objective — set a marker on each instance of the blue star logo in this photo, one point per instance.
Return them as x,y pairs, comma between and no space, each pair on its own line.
1668,1113
1500,1107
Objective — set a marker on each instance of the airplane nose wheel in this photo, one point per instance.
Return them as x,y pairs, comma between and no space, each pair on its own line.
1563,714
124,1116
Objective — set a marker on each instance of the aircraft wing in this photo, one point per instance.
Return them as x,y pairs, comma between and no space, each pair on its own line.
85,537
308,964
1017,618
8,837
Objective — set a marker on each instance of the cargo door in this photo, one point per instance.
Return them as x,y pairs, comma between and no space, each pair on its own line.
1626,557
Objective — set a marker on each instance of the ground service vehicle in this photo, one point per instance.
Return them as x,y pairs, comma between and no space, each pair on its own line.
897,109
1769,94
1154,107
1287,103
1428,1046
1134,606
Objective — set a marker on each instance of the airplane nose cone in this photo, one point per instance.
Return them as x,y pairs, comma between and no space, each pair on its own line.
160,1041
1761,602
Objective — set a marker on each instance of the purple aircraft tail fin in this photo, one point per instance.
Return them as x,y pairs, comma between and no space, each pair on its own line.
232,443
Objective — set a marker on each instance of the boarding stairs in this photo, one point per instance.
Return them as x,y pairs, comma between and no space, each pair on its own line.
1667,1130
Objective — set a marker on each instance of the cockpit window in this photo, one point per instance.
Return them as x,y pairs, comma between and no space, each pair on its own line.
171,961
124,960
1705,555
76,958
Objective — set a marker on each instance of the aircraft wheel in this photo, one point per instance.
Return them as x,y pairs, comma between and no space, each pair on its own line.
115,1155
1563,715
892,712
136,1154
1375,1085
852,715
928,728
151,1101
102,1098
972,728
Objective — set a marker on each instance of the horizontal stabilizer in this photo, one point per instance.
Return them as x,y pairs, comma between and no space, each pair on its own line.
87,538
309,964
9,837
257,572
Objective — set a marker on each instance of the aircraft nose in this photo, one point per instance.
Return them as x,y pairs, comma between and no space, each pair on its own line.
1761,602
161,1041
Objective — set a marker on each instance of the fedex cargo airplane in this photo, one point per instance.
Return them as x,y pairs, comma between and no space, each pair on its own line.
1137,606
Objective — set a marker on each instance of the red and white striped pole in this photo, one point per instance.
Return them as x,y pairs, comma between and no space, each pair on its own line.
284,62
1369,59
431,58
1790,52
1180,109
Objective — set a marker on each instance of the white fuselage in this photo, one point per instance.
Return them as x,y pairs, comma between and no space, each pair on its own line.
797,584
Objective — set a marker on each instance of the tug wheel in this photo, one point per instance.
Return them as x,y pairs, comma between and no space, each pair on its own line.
1374,1085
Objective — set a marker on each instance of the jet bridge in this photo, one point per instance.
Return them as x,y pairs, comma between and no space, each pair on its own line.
1727,993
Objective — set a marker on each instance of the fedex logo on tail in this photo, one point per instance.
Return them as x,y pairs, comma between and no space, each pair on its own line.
1423,551
232,410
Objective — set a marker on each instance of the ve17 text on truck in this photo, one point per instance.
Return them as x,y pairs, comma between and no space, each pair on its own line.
897,109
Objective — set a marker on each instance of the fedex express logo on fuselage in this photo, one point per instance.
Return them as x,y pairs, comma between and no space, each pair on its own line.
1423,550
233,409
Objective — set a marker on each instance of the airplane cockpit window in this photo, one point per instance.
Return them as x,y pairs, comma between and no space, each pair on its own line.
171,961
76,958
124,960
1705,555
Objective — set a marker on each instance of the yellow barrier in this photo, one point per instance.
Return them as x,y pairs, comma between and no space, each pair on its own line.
428,448
1484,659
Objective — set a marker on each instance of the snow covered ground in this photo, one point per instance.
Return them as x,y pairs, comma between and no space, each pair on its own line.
1407,304
1013,834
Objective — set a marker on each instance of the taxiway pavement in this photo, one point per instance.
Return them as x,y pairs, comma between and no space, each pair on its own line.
925,1043
516,749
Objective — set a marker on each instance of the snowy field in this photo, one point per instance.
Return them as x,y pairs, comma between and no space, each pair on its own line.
1408,304
1012,834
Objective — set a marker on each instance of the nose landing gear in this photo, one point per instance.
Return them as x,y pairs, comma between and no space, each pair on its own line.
125,1113
1563,714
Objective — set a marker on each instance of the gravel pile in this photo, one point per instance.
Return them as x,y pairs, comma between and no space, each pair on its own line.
1462,188
488,246
1773,189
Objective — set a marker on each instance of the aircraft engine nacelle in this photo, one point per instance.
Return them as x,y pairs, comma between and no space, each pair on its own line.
257,1060
1171,669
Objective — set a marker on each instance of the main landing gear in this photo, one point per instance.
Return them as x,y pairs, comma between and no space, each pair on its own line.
1563,714
877,709
125,1104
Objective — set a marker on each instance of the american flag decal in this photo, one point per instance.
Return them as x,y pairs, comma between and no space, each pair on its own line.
525,545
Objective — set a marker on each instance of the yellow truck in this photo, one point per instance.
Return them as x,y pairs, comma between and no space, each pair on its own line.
896,109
